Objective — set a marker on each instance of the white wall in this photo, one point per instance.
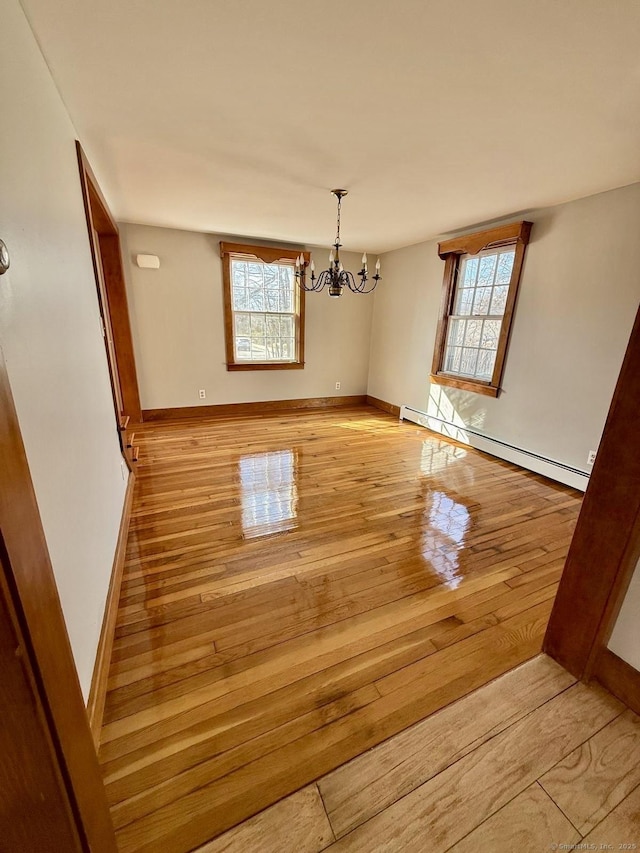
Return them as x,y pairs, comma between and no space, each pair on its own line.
177,320
578,297
625,639
50,338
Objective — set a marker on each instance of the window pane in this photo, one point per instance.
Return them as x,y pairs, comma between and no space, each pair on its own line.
474,330
286,326
273,348
288,348
490,334
487,270
239,273
243,324
255,273
463,301
257,325
505,267
240,299
468,361
486,360
256,296
286,301
499,300
272,300
482,300
258,349
469,272
456,332
270,275
452,359
243,349
286,275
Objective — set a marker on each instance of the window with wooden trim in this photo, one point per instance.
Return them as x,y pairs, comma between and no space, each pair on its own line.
481,278
263,308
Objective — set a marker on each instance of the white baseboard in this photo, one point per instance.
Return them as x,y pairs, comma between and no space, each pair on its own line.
525,458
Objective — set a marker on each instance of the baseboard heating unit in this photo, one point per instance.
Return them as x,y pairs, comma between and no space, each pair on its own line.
525,458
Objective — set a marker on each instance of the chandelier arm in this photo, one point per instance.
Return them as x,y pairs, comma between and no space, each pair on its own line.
362,288
349,281
315,285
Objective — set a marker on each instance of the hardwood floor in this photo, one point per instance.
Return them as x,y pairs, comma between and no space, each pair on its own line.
299,588
559,771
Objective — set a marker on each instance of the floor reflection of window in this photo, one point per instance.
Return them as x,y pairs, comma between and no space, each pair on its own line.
438,456
268,492
446,524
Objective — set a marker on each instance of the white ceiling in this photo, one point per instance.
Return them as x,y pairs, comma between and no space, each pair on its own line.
238,116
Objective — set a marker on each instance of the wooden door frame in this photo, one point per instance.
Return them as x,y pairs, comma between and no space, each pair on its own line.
606,544
100,220
35,598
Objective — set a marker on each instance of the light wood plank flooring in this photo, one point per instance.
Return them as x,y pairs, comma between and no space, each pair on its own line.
299,588
559,770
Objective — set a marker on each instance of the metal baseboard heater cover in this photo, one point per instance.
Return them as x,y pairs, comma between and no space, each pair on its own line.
525,458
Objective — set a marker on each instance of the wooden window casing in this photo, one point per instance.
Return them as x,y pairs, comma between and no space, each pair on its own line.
452,252
266,255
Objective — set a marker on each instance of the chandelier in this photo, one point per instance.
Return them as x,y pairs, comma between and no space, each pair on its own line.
336,278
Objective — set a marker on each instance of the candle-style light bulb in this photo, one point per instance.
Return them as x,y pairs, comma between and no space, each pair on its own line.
378,265
298,262
364,260
340,267
331,256
313,266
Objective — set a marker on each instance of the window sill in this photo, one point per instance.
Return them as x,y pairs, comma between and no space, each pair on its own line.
272,365
477,387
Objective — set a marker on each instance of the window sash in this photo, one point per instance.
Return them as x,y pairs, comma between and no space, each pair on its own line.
464,302
266,346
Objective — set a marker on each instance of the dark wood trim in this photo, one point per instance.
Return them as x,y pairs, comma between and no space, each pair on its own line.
228,313
269,255
259,408
36,600
109,254
471,244
41,814
619,677
390,408
507,317
121,324
98,692
266,365
606,543
517,234
465,384
95,203
448,290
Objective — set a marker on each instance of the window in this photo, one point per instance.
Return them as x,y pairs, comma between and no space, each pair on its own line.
263,307
482,273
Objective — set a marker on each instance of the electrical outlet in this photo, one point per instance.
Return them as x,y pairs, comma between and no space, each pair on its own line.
337,386
202,394
591,458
